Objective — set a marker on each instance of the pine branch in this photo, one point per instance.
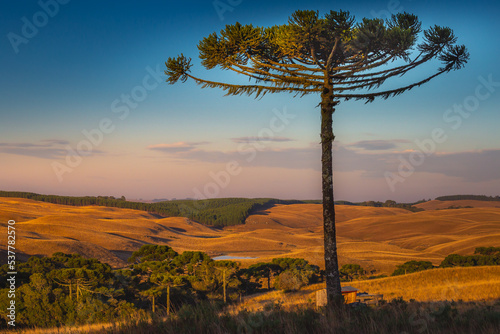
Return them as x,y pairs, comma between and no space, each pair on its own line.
315,59
249,90
370,97
291,64
352,69
277,79
305,62
330,57
276,66
373,81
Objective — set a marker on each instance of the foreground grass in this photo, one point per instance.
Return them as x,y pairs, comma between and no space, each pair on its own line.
397,316
452,300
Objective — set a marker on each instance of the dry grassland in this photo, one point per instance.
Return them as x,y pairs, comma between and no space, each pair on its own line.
376,238
466,284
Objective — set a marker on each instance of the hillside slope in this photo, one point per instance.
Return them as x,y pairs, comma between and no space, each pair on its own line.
376,238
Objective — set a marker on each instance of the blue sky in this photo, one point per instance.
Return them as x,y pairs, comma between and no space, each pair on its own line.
83,58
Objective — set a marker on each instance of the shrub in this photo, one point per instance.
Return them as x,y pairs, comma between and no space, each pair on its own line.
412,267
291,280
350,271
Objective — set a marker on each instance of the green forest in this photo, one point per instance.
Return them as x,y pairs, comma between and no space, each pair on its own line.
68,289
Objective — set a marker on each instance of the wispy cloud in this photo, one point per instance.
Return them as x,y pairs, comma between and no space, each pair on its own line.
45,149
249,155
378,145
176,147
242,140
471,166
55,141
474,166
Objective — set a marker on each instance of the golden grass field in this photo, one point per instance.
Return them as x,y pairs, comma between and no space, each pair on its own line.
466,284
376,238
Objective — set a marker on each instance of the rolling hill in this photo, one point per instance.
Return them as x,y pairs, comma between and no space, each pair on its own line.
376,238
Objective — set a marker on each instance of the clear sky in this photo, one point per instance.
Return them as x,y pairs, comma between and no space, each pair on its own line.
85,110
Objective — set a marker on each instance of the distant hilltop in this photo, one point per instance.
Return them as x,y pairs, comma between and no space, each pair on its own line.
216,211
468,197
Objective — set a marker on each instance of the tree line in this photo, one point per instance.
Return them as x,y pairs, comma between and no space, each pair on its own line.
468,197
213,212
483,256
392,204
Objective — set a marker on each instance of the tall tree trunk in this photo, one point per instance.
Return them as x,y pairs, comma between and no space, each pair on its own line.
333,290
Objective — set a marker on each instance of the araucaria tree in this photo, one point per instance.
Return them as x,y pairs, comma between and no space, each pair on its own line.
332,56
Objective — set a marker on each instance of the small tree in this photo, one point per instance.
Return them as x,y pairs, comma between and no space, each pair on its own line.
191,262
291,280
227,269
151,294
412,267
487,251
77,280
167,281
265,270
331,56
152,253
351,271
